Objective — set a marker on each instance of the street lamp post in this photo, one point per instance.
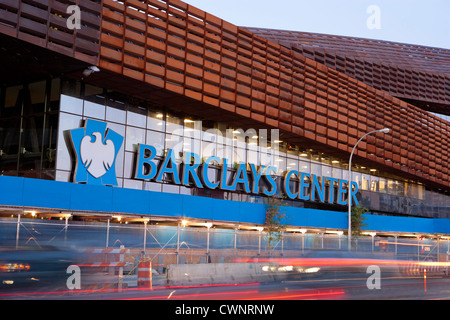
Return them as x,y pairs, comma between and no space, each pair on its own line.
349,192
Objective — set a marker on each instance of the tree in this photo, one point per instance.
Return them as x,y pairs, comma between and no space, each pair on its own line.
358,220
274,221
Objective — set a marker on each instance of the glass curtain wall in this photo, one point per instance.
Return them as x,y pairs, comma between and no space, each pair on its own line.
28,128
31,146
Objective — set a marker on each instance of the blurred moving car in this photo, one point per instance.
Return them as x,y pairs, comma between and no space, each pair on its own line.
34,268
327,263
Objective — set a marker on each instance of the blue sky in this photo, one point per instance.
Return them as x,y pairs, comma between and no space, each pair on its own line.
422,22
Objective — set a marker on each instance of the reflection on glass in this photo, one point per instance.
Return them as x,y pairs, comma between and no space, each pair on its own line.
71,105
66,122
316,169
382,185
336,173
326,171
156,139
291,164
175,143
71,87
134,136
365,182
374,183
280,164
156,121
94,110
304,166
115,115
137,116
174,125
356,177
208,148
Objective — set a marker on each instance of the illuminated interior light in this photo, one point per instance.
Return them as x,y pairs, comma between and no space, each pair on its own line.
312,270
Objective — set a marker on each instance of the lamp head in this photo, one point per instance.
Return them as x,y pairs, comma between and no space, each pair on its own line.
385,130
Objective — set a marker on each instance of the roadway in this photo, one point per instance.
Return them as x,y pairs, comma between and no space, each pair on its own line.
340,286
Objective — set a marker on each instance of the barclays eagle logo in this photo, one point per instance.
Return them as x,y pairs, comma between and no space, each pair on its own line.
96,150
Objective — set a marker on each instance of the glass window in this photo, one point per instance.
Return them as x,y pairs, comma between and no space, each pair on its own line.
71,104
156,139
326,171
365,182
356,177
280,163
391,187
152,186
253,157
128,165
55,93
94,110
120,129
170,188
31,142
66,122
62,176
115,115
50,139
304,166
134,136
336,173
94,94
238,155
156,121
71,87
137,116
175,143
374,183
116,108
174,125
266,157
192,128
132,184
382,185
316,169
37,96
291,164
209,143
421,194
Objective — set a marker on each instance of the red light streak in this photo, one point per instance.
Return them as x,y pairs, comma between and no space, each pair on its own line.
311,295
128,289
197,295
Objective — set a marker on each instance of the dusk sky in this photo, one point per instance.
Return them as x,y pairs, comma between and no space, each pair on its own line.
408,21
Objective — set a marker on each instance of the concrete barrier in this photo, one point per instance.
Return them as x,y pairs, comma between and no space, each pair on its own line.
217,273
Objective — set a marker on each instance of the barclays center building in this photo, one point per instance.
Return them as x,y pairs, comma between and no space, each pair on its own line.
157,113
